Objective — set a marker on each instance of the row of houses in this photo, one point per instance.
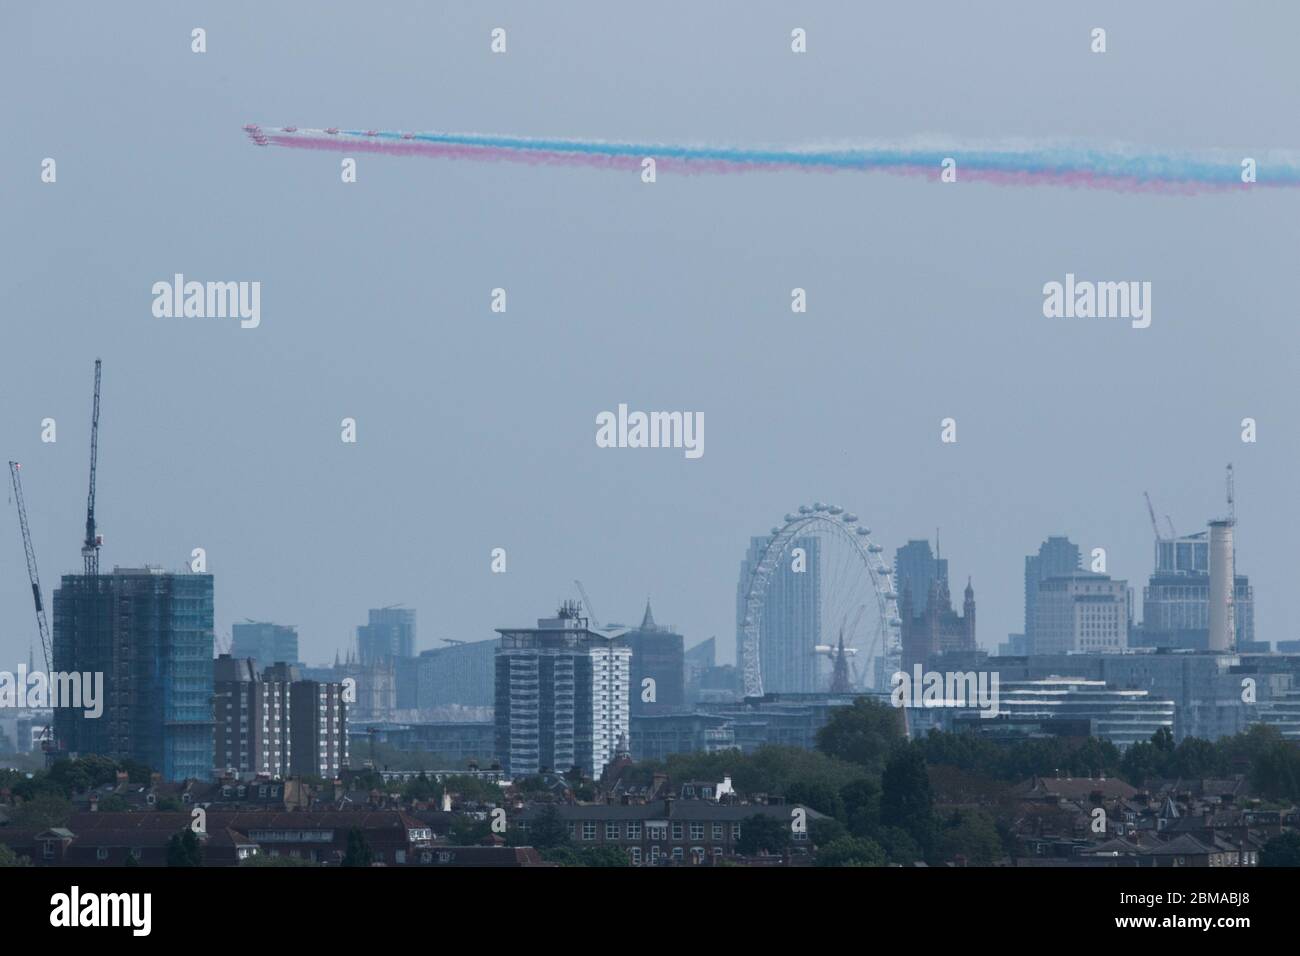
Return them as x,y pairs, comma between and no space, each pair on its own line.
665,832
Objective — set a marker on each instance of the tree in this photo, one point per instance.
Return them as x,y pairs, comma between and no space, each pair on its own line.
861,801
358,852
862,733
595,856
899,846
821,795
826,830
761,833
1275,771
1281,850
851,851
258,860
546,830
8,858
971,834
422,789
905,800
43,812
113,804
183,849
465,830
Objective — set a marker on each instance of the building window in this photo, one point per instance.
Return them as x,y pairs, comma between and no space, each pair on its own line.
697,831
735,831
101,853
611,831
589,829
678,854
635,853
717,831
634,830
677,831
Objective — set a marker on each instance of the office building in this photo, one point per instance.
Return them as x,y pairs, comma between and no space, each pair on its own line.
658,667
916,569
458,675
1057,557
1081,612
264,642
1124,717
389,633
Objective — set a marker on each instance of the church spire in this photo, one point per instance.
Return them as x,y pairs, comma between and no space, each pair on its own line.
840,676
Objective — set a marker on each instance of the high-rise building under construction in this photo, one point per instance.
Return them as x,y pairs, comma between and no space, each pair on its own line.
150,634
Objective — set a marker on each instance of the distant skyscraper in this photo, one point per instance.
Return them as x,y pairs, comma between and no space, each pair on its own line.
1176,600
790,626
659,654
150,634
386,645
916,568
1082,612
458,674
561,696
390,633
1057,556
265,643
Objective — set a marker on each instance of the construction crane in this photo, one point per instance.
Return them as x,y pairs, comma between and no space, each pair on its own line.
90,547
1155,525
47,737
591,613
32,574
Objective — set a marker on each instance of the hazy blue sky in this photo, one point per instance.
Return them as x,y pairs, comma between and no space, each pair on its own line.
477,430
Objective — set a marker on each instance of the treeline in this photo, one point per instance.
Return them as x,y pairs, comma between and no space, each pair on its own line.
874,785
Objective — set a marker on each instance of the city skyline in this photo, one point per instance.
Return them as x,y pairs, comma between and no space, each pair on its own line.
314,652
